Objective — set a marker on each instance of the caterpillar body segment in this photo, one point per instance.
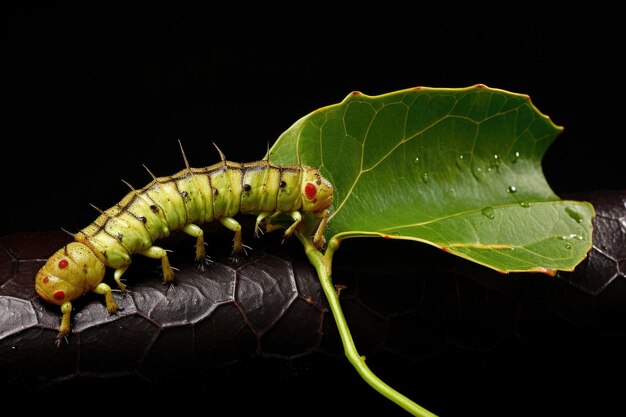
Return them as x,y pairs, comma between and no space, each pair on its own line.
180,202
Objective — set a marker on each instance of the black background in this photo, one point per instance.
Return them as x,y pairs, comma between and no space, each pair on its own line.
90,94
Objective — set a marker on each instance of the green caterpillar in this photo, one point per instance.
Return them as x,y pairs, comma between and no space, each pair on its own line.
183,201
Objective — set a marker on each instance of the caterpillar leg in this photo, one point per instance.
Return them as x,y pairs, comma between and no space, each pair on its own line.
297,218
66,309
270,226
156,252
259,219
117,276
318,237
196,231
233,225
105,290
295,215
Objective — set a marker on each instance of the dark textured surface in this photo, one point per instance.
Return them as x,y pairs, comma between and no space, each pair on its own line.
231,310
256,335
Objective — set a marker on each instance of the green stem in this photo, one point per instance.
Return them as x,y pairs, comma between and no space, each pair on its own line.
322,264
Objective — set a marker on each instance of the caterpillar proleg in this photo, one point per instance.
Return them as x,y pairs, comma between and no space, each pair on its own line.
183,201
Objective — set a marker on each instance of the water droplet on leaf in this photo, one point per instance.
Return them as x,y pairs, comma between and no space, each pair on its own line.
495,164
515,157
511,190
488,212
461,160
570,236
574,214
425,178
477,172
525,204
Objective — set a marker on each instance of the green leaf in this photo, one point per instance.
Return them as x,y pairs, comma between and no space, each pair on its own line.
458,168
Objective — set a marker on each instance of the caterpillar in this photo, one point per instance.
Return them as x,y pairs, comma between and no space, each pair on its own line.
180,202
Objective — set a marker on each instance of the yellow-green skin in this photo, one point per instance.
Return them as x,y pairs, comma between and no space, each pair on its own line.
182,201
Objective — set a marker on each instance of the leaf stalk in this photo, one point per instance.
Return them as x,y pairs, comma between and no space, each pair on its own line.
322,264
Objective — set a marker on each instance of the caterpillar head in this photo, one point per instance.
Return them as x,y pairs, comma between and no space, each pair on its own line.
68,273
317,191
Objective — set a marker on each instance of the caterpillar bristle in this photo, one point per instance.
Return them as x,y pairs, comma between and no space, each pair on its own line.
129,185
69,233
150,172
184,156
221,153
99,210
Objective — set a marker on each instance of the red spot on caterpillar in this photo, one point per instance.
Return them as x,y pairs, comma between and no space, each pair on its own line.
63,263
356,93
46,280
59,295
480,86
443,248
387,237
310,190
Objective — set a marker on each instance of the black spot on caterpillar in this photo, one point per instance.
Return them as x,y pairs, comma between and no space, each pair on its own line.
183,201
